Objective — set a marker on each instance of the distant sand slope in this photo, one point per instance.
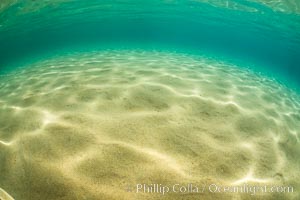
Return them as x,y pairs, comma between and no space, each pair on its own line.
88,126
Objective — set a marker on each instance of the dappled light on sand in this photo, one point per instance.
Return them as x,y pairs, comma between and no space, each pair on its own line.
86,125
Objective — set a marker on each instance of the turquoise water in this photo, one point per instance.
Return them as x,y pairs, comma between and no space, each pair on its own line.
98,97
262,35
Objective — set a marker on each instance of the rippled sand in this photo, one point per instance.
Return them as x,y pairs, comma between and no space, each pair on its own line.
87,126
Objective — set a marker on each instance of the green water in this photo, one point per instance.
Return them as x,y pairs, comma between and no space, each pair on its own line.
259,33
104,99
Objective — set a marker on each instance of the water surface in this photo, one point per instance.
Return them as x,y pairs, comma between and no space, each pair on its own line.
99,96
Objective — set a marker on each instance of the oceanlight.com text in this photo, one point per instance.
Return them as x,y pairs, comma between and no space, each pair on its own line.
210,188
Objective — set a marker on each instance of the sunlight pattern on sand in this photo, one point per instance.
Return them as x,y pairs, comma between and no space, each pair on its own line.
85,125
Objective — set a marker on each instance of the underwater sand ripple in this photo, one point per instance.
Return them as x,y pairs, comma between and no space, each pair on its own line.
84,126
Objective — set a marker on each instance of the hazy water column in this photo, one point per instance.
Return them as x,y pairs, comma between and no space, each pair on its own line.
249,32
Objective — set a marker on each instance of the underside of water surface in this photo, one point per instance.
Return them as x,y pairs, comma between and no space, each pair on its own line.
173,99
